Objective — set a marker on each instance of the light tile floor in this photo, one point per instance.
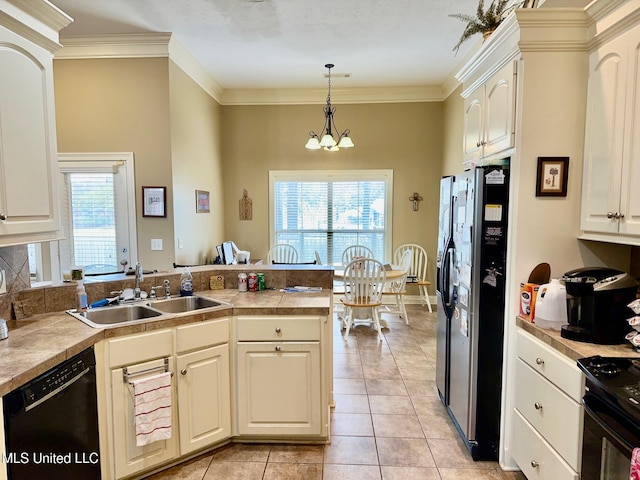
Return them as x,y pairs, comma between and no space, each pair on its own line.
388,422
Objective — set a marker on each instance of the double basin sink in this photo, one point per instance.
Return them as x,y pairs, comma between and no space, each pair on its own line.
145,310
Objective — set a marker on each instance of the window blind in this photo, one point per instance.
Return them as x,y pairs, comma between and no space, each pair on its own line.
328,214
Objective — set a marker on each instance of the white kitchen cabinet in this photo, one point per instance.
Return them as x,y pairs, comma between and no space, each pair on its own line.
279,376
548,413
142,355
489,113
29,210
204,391
611,174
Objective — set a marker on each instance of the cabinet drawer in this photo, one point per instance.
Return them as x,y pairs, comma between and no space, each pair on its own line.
202,335
139,348
555,367
534,456
278,328
552,413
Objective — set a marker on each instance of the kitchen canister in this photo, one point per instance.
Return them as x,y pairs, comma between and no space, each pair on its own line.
242,282
551,305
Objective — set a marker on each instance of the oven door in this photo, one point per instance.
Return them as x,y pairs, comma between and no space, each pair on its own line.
608,441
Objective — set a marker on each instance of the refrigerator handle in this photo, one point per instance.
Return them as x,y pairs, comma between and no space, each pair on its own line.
446,277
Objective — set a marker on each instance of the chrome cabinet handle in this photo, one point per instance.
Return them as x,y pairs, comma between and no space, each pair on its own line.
619,216
278,348
278,330
539,361
538,406
183,371
478,144
534,464
610,215
3,216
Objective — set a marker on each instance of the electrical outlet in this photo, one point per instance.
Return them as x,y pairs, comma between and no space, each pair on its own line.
156,244
3,282
180,244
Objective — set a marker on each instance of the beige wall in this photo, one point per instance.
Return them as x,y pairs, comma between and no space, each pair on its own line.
406,137
153,109
122,105
197,165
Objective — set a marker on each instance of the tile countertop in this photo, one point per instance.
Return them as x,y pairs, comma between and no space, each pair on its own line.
572,349
41,342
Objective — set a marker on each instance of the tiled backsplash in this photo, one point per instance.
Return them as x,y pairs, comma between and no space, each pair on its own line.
15,263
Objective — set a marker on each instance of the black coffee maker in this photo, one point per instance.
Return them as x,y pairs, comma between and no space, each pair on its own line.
597,300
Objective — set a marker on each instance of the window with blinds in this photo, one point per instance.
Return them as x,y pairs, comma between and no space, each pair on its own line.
325,212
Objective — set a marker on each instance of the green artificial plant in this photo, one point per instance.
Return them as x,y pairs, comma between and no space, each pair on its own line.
484,21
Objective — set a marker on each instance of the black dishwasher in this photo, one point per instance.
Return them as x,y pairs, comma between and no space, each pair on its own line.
51,423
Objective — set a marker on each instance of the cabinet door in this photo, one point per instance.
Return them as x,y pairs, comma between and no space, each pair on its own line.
499,111
473,125
630,192
28,158
279,388
204,397
129,458
604,137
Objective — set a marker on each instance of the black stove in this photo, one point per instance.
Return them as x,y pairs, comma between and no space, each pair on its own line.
614,380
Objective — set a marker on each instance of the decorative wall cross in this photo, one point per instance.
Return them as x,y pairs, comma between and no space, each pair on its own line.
415,198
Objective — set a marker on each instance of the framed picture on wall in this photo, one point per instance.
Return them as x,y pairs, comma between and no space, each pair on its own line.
202,201
154,201
553,174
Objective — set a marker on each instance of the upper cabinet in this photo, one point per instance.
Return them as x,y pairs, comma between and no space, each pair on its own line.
611,175
29,209
489,113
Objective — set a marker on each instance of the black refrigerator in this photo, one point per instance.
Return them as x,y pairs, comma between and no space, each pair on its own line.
470,289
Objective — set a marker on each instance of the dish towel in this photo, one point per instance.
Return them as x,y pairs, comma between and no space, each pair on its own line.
152,408
634,473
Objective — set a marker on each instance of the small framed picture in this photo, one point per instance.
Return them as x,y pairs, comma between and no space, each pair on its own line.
154,201
202,201
553,174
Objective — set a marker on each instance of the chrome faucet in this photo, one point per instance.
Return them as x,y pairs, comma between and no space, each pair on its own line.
139,278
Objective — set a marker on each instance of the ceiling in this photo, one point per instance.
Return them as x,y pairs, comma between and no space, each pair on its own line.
281,44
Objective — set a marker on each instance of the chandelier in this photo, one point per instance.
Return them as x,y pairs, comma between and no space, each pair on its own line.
326,139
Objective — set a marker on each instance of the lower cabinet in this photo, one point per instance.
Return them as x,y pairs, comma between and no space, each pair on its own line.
279,388
204,401
201,393
548,413
278,375
128,358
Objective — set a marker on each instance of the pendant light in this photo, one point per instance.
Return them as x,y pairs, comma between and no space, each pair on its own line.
326,138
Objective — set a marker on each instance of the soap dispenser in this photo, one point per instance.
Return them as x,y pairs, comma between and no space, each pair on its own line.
186,283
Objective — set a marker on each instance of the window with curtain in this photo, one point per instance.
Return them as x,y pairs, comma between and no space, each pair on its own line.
326,211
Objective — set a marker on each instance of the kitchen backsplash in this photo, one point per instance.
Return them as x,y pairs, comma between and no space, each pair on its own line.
15,263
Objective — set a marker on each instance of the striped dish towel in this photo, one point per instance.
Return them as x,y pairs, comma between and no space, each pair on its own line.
152,408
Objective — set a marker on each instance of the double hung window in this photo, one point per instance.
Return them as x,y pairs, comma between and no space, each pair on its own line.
327,211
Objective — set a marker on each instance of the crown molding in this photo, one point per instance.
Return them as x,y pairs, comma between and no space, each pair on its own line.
151,45
299,96
38,22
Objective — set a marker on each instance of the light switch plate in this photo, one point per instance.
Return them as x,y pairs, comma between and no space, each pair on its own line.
3,282
156,244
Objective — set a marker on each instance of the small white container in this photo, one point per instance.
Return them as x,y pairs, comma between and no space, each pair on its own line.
551,305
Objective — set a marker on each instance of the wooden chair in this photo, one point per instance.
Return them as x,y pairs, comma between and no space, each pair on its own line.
356,251
282,253
397,287
418,269
364,280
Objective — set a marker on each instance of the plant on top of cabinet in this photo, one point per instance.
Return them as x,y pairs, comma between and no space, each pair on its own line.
484,21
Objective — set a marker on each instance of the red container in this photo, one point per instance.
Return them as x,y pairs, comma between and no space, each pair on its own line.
253,282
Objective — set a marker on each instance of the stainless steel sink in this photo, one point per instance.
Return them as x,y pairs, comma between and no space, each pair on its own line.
149,310
184,304
116,315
